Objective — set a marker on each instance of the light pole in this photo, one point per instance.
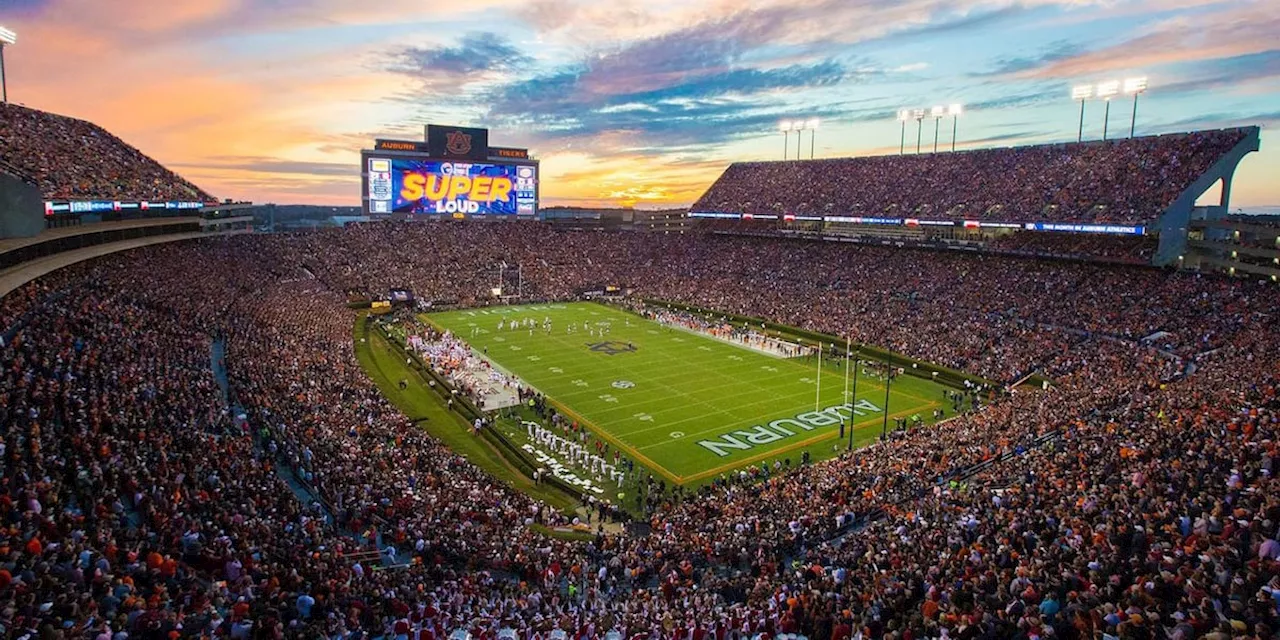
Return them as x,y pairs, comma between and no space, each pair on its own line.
937,112
853,399
1107,90
812,126
888,379
903,116
954,110
918,114
1081,93
785,128
1135,86
7,37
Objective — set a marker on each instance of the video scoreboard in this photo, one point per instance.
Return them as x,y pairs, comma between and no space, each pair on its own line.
454,173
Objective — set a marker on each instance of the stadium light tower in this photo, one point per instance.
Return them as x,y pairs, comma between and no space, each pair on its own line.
903,116
918,114
937,113
7,37
1081,93
954,110
812,126
1135,86
785,128
1107,90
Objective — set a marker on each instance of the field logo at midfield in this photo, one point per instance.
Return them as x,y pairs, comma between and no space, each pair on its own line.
744,439
611,347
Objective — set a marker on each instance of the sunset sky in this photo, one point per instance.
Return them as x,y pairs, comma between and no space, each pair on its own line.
627,101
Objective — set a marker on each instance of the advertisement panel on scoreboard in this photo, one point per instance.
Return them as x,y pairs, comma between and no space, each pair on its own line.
444,187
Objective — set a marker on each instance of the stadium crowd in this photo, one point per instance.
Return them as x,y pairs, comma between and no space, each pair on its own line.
1128,181
1135,499
48,148
991,315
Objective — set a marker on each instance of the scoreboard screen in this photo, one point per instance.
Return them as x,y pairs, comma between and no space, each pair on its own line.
397,184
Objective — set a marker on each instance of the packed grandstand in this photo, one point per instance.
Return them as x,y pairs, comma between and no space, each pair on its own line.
1135,497
1129,181
37,145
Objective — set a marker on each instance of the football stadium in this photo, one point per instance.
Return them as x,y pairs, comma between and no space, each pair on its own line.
1019,387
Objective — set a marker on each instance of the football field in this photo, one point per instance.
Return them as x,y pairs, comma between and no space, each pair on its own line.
688,406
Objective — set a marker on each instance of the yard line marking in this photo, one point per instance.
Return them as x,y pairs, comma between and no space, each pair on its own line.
668,367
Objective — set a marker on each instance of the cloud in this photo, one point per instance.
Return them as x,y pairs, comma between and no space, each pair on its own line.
1019,100
1060,50
1007,139
1218,120
25,7
1244,28
626,101
965,20
1225,73
909,68
257,164
475,53
708,109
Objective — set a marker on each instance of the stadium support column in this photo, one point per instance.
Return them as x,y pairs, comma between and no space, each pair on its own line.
919,128
902,142
888,380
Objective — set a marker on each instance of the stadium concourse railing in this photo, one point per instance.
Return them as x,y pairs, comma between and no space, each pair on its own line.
18,173
919,368
468,410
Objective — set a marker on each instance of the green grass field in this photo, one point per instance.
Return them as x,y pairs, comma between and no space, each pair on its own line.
687,406
385,365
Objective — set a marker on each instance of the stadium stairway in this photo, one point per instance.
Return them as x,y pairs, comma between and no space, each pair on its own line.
301,490
217,351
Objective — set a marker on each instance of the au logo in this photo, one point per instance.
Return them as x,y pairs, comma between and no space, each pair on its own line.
612,347
458,143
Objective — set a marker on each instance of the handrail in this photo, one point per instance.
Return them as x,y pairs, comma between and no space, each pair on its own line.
18,173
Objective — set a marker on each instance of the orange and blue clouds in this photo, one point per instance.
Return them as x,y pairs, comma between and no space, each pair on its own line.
627,101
